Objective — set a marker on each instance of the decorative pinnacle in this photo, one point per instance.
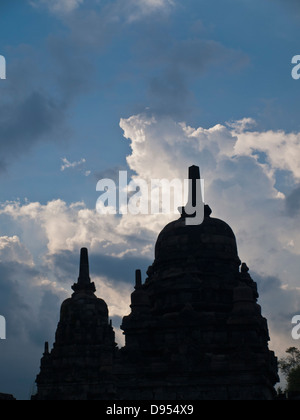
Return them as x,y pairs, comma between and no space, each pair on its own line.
194,175
245,268
138,279
84,281
195,208
84,270
46,352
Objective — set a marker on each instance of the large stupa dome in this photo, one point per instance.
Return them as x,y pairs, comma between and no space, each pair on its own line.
212,240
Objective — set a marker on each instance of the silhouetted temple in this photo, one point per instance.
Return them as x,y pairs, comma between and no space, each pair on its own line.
80,366
195,331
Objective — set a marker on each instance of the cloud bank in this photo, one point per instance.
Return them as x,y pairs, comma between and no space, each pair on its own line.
240,166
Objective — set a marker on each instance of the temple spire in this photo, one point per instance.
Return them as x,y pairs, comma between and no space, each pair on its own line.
195,208
194,176
84,270
46,352
84,281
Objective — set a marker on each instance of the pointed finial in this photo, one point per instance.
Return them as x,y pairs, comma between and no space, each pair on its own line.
195,206
207,211
84,281
245,268
46,352
138,279
194,175
84,270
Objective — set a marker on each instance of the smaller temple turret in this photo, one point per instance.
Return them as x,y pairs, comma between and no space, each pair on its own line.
138,279
46,352
140,303
80,365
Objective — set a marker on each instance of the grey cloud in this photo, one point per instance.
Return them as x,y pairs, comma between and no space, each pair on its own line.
181,65
293,203
198,55
93,28
41,87
29,112
111,173
72,67
31,315
16,311
43,327
170,93
25,123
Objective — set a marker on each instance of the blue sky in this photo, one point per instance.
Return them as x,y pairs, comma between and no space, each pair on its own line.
148,86
198,62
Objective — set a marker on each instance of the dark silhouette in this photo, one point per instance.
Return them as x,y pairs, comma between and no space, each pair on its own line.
195,331
80,365
7,397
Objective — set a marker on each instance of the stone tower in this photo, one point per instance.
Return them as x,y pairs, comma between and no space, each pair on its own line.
195,330
80,365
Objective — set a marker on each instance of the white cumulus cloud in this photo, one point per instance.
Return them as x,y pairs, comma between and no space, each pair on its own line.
12,250
240,188
282,149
